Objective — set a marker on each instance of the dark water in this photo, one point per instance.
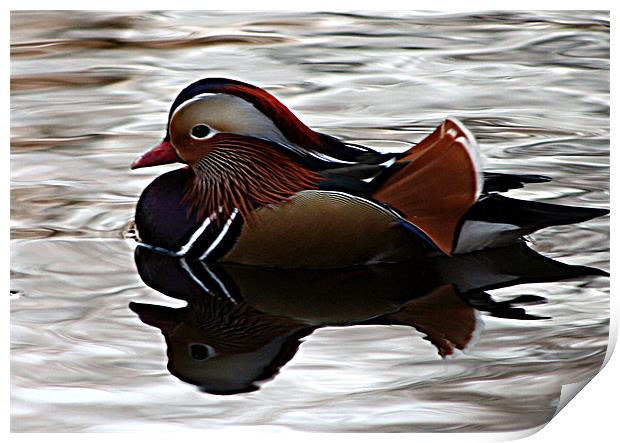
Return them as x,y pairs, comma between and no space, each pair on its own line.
90,91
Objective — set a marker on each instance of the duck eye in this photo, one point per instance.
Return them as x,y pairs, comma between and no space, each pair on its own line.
200,131
199,351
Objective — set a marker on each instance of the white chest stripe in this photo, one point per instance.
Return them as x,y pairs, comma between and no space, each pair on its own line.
220,236
197,233
195,236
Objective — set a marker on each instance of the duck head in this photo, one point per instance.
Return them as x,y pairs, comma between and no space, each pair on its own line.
241,144
219,106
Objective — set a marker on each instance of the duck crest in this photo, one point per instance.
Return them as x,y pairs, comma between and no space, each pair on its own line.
293,128
240,174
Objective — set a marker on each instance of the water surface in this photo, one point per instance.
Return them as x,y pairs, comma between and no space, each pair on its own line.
91,90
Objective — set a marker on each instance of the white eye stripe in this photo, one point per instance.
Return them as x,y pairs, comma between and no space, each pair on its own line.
236,114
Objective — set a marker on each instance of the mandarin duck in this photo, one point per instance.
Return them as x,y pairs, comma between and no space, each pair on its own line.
242,323
261,188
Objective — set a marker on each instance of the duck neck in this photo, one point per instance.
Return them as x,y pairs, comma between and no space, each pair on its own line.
243,174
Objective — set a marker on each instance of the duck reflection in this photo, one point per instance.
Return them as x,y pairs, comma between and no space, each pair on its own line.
242,324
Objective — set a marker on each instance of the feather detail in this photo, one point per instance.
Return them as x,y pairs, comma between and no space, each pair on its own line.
436,183
244,173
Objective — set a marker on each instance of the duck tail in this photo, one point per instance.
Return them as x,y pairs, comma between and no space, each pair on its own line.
435,183
497,220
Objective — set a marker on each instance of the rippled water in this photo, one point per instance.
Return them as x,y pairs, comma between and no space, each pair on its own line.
91,90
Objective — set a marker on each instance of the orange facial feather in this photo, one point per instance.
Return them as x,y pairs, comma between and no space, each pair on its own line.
243,173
